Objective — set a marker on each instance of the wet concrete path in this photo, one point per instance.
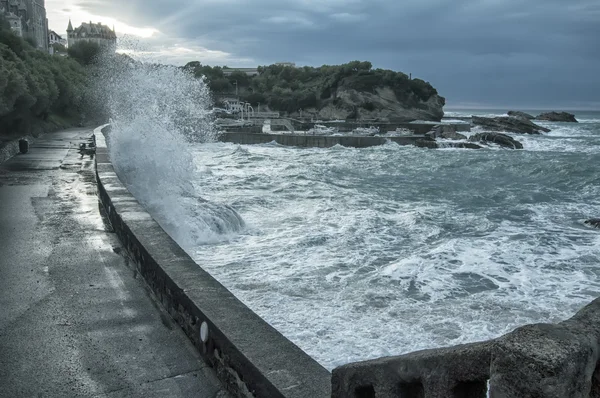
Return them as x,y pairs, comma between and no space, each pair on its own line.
74,318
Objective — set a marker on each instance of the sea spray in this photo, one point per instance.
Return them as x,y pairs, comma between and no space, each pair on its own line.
156,112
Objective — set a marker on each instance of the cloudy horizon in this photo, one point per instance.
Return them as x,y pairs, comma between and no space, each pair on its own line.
486,53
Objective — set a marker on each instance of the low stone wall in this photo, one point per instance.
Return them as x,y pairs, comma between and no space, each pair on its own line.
318,141
250,357
540,360
416,128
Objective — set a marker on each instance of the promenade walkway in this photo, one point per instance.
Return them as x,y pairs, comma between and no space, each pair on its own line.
75,319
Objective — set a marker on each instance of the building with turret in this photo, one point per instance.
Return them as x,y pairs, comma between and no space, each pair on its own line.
27,18
92,32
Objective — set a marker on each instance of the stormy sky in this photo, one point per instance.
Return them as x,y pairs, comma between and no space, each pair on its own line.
506,53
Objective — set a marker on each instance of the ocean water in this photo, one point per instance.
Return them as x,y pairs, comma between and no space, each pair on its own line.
360,253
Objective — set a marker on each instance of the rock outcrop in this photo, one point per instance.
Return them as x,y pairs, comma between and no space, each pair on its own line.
557,117
380,104
445,131
509,124
503,140
521,115
594,222
431,144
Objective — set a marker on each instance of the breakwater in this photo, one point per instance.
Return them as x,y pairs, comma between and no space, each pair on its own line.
318,141
347,126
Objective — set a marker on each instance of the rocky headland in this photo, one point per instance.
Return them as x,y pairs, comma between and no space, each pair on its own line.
354,91
380,104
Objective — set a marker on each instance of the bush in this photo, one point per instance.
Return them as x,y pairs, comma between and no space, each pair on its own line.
85,52
34,86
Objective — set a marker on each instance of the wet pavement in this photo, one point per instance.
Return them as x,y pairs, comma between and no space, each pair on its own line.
75,320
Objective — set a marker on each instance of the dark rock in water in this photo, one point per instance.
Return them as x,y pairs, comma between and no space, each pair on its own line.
445,131
509,124
521,115
465,145
557,117
594,222
498,138
435,145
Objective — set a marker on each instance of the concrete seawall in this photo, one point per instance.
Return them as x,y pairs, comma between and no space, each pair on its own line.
318,141
540,360
250,357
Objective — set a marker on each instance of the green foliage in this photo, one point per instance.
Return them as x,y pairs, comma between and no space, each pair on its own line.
290,89
85,52
34,86
59,48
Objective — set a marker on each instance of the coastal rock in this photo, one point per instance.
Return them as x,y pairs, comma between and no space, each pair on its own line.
436,145
509,124
445,131
521,115
498,138
380,104
593,222
557,117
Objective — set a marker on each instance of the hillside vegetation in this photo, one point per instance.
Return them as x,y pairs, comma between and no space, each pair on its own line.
289,89
38,92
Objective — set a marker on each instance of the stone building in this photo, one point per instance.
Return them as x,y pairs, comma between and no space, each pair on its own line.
27,19
92,32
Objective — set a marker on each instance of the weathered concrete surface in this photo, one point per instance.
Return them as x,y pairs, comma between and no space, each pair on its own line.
547,360
460,371
542,360
75,319
249,355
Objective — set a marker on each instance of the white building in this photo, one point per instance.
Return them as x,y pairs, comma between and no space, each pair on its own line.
55,38
92,32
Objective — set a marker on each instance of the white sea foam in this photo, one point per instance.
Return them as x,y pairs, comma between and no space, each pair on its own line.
157,112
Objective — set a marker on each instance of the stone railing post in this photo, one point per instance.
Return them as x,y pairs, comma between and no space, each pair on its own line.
541,360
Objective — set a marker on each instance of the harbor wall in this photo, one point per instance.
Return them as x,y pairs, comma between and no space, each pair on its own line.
317,141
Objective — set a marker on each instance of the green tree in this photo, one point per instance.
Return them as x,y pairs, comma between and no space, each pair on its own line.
85,52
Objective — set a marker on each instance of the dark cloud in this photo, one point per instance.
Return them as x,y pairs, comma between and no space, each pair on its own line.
539,52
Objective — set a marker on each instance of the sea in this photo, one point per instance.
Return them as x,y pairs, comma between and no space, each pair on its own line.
355,254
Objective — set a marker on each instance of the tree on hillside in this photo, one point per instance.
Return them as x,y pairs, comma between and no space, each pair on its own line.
35,86
59,48
85,52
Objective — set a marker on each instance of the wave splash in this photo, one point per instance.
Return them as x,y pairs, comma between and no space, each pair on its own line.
156,113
